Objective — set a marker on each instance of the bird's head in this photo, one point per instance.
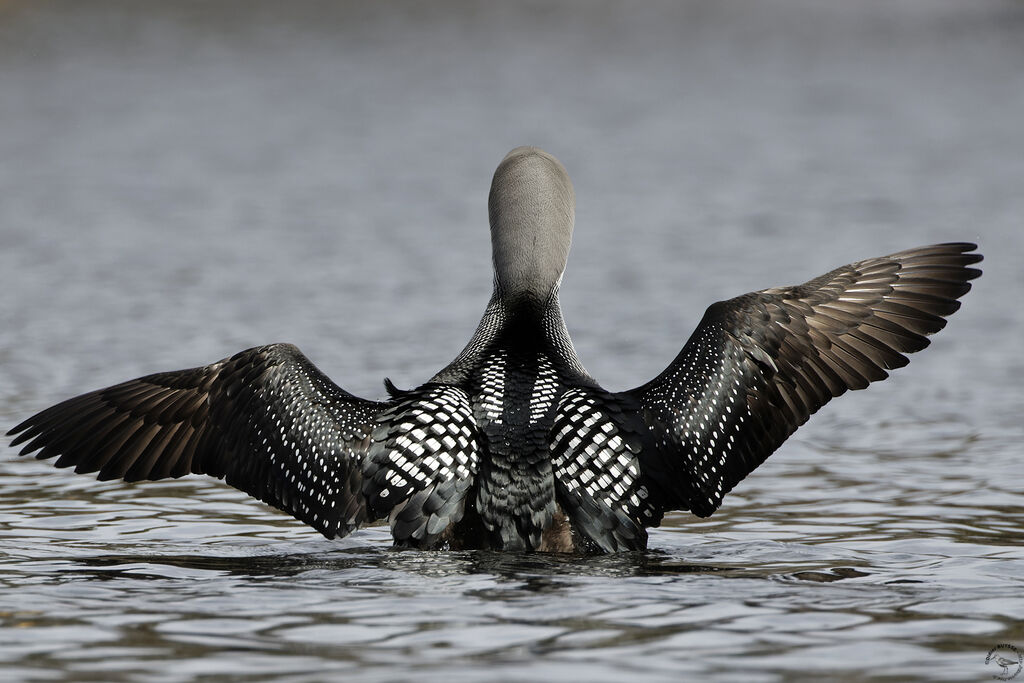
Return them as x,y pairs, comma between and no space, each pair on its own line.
532,207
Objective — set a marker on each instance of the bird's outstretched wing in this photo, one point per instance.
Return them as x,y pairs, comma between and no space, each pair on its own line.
266,420
759,365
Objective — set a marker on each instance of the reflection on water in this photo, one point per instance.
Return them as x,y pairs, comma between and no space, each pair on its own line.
184,180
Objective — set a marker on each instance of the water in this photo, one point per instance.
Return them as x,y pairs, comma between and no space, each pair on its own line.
181,181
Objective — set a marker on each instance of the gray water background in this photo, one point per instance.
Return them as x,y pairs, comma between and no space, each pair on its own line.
179,181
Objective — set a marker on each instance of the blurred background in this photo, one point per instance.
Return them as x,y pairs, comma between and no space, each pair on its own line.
182,180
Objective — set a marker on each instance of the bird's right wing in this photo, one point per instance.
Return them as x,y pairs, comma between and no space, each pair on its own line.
266,420
758,366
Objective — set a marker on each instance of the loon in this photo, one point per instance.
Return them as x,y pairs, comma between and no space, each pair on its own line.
513,446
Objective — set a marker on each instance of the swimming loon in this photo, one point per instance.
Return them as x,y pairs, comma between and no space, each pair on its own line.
513,446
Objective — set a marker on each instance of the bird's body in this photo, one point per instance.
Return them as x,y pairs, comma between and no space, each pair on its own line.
513,446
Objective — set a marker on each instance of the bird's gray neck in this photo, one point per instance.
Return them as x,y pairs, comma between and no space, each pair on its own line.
531,207
521,328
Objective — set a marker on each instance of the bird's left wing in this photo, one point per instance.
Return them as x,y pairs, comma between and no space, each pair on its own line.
758,366
266,420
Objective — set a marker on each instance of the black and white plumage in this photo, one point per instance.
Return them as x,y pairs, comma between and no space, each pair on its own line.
513,445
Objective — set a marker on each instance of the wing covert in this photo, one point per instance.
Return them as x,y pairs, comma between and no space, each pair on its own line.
594,444
424,453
